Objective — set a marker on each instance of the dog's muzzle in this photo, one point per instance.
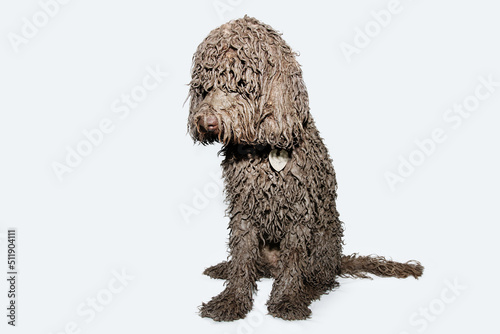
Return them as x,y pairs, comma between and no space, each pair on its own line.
209,124
208,119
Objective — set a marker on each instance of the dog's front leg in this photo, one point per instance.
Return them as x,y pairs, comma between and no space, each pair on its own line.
288,298
236,300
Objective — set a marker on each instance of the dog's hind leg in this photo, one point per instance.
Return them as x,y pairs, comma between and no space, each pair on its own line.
219,271
268,256
324,263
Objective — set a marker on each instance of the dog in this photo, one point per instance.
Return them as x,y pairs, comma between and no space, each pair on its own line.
247,93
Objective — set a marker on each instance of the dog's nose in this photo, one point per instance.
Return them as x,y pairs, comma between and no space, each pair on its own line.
209,123
212,123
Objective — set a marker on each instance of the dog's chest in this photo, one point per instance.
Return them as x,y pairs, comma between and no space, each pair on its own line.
261,194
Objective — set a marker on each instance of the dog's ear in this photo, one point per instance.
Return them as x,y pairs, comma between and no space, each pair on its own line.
284,107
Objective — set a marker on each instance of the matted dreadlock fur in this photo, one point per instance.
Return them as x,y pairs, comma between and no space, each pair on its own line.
247,93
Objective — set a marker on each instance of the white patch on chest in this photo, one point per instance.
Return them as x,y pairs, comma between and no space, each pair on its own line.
278,159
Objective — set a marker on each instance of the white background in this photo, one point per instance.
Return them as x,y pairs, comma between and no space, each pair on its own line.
121,207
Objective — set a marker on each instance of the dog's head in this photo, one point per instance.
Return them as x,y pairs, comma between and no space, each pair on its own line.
247,88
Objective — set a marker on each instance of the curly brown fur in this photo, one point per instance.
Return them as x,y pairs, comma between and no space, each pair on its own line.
247,93
358,266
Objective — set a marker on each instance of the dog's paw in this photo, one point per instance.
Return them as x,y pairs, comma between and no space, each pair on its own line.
226,306
219,271
289,309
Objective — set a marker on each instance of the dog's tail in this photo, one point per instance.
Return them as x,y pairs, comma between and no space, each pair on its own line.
357,266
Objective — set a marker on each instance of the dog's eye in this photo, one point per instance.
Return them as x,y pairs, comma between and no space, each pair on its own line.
204,92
